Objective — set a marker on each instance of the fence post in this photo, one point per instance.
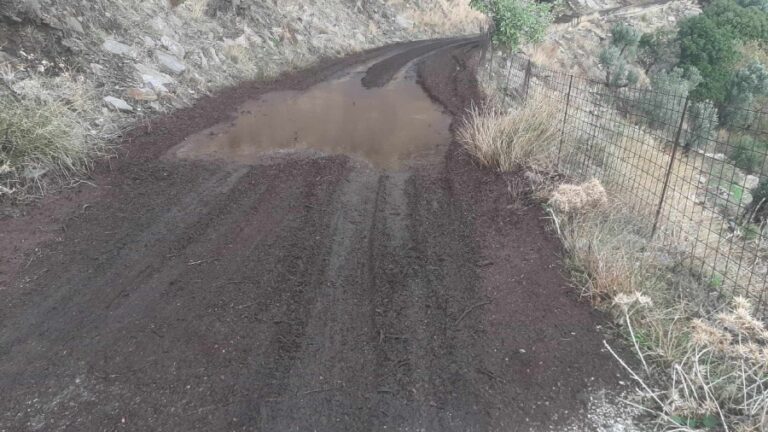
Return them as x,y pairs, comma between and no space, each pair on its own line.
669,168
565,119
509,75
527,78
490,61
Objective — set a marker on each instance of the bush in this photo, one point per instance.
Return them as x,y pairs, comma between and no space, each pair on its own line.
529,135
749,154
516,22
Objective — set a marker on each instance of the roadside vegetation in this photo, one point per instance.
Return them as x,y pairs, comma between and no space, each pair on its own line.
702,356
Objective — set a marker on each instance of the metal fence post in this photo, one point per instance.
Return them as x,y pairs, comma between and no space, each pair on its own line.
490,61
509,75
527,78
669,168
565,119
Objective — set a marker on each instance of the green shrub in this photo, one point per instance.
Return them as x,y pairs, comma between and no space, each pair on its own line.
749,153
516,22
712,51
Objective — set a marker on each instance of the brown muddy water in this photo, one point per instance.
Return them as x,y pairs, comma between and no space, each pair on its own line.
386,126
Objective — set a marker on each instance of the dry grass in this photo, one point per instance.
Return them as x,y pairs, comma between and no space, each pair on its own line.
697,373
445,16
608,251
526,136
717,367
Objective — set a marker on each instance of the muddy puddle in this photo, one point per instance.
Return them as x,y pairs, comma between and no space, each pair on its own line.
386,126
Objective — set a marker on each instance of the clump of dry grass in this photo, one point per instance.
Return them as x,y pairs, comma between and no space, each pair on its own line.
608,251
525,136
569,198
46,134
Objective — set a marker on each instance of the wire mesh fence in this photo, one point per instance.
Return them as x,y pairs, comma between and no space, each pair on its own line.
700,186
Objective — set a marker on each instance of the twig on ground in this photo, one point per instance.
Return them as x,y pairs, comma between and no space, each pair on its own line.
470,309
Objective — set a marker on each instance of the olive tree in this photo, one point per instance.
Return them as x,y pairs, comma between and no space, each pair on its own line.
663,103
702,124
615,58
658,50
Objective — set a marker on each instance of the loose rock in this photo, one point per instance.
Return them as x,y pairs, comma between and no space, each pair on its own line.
170,63
117,48
141,94
117,104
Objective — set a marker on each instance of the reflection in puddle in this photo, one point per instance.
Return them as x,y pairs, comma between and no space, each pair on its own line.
386,126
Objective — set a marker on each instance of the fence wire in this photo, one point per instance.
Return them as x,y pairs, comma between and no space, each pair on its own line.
701,187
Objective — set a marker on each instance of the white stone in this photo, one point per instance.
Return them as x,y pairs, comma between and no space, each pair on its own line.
751,182
154,79
403,22
117,104
170,63
117,48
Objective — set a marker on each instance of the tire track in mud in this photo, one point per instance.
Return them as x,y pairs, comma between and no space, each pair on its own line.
322,393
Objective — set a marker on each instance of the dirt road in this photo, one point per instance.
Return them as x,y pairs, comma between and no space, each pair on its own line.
299,291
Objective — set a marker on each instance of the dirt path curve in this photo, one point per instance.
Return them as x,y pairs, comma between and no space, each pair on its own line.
301,293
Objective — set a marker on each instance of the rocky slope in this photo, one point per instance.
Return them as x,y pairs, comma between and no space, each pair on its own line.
96,67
